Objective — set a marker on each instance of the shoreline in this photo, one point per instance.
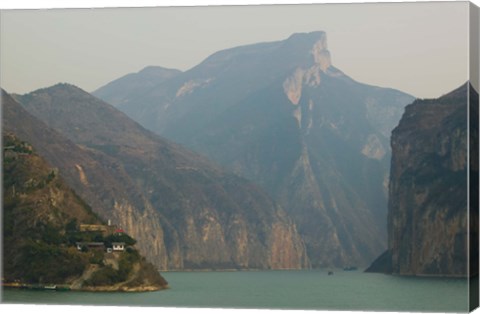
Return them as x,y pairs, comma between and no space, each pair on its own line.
66,287
122,289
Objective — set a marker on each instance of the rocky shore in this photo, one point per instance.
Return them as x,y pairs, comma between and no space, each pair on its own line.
141,279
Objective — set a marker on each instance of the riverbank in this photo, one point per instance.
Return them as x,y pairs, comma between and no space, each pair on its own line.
25,286
145,288
141,277
115,288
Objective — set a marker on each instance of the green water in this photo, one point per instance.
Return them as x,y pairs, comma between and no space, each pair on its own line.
278,290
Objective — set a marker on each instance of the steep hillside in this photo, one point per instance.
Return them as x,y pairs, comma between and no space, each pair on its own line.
428,213
198,215
98,179
42,218
282,115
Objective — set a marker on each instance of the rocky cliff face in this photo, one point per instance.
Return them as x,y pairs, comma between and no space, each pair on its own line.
184,211
281,115
428,214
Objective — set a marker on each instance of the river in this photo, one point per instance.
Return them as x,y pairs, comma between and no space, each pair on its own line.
309,289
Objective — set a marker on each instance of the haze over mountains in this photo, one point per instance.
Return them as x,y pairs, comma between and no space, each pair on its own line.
287,162
280,114
185,212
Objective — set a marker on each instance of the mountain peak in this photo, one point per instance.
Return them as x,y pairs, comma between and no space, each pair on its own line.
158,71
316,43
142,81
311,37
57,87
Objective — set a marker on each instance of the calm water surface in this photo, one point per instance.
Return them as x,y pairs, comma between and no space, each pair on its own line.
312,289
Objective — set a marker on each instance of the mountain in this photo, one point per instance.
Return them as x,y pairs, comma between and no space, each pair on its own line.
428,223
185,212
134,85
98,179
42,216
280,114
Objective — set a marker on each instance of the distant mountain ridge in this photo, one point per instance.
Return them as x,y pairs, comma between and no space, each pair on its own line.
282,115
185,212
135,84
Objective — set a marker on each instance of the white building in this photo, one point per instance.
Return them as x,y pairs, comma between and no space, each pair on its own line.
118,246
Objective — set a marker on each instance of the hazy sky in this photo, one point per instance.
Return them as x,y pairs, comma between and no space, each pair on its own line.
419,48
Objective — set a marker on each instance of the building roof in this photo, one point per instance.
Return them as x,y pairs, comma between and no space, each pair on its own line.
90,243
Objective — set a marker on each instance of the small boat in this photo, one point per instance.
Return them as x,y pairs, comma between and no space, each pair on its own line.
350,268
330,273
50,287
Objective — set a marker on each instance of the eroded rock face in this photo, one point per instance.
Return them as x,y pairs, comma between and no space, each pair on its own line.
373,148
293,86
427,220
311,75
145,227
320,53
